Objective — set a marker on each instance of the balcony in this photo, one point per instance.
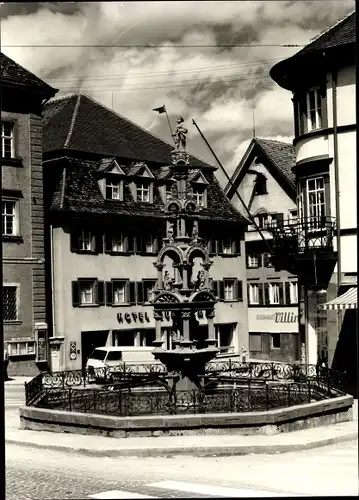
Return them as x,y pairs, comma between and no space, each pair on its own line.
305,247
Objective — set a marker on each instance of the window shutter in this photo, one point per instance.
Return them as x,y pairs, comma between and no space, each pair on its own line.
75,293
109,293
127,292
248,294
237,246
214,287
140,292
129,242
108,242
139,243
221,290
287,292
209,244
132,292
323,97
155,243
219,246
74,241
266,294
101,293
239,290
260,294
281,294
95,292
98,240
303,126
266,259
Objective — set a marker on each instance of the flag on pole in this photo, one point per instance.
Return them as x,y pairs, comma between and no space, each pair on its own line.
161,110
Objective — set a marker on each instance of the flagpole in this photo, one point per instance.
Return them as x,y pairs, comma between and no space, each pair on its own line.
169,124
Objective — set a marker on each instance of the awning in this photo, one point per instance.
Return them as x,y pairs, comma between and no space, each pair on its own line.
349,300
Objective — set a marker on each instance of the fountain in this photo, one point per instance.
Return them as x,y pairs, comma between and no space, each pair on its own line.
178,293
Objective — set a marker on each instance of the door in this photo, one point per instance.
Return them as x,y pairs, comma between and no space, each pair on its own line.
89,342
55,357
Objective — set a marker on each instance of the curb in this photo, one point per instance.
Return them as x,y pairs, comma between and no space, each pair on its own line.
200,451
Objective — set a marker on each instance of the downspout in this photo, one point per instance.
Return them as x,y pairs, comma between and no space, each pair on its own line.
52,283
337,187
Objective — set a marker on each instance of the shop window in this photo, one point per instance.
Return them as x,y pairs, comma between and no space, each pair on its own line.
275,340
253,259
147,337
255,342
293,292
21,348
253,293
7,139
10,303
124,338
10,217
88,292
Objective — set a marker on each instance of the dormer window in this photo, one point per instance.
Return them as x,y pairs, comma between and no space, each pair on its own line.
199,194
113,190
143,192
310,110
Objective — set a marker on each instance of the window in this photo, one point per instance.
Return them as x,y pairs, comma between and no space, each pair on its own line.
310,110
227,246
199,196
168,192
229,289
147,337
293,292
10,217
10,303
300,201
255,342
149,243
253,260
149,287
253,293
260,185
86,292
7,140
262,220
21,348
113,190
119,292
275,337
273,293
224,334
293,216
143,192
118,243
316,200
86,242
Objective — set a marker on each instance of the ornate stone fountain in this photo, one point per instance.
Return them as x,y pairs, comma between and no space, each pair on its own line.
178,293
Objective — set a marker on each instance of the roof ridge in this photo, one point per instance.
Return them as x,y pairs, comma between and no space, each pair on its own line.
138,126
27,71
62,198
62,97
73,120
326,30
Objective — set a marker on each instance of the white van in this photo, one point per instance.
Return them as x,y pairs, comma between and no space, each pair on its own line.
112,359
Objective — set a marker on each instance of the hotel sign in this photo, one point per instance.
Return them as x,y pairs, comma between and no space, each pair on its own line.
269,320
138,317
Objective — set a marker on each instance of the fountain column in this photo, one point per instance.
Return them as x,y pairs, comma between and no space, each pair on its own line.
211,341
158,319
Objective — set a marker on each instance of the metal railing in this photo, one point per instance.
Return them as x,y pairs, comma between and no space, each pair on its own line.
307,233
144,389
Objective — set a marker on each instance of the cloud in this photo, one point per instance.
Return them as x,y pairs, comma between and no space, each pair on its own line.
214,85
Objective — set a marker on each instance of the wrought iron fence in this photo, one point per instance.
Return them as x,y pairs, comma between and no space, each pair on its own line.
227,386
303,234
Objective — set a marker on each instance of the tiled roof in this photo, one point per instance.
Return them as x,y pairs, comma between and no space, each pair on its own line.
78,191
13,73
343,32
281,154
79,123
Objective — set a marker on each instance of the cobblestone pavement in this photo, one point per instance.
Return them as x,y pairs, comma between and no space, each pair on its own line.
48,475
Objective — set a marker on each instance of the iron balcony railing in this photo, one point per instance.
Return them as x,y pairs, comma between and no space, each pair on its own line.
303,235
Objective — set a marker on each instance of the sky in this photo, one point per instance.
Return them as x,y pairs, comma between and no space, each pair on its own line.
208,61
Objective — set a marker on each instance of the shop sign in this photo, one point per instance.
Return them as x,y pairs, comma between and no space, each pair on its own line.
73,354
267,320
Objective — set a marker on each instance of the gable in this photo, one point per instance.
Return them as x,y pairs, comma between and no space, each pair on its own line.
199,178
115,168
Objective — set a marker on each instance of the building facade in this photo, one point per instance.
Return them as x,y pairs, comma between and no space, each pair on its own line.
109,185
266,184
323,251
24,301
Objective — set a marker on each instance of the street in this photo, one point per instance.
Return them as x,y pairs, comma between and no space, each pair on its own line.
33,473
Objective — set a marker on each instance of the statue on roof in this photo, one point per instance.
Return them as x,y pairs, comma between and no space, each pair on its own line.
180,135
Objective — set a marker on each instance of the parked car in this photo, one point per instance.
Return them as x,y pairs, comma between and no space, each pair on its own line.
105,362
